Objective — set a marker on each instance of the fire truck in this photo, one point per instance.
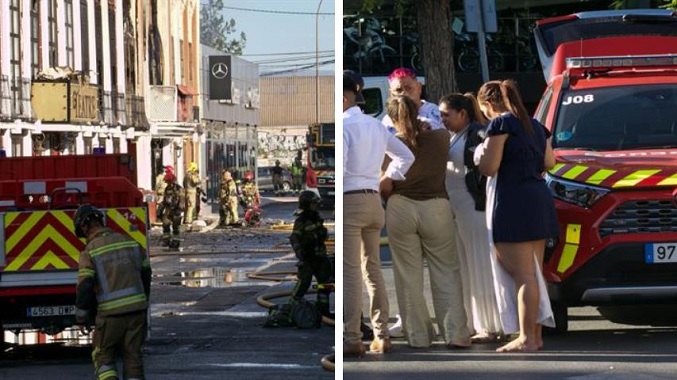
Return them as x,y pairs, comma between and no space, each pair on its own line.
39,252
611,106
320,174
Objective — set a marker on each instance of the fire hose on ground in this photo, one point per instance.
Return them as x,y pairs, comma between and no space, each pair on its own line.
327,361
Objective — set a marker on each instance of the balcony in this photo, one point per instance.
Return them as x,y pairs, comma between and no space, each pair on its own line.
162,104
135,112
15,98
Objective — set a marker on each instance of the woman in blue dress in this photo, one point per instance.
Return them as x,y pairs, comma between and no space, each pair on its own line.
516,152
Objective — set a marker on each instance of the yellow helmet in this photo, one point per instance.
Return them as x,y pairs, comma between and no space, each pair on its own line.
192,167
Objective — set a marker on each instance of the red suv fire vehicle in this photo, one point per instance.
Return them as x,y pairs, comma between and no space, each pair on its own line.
39,252
611,105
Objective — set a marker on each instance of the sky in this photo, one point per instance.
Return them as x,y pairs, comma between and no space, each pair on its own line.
276,28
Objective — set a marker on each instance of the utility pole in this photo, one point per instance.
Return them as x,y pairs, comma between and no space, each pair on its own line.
317,63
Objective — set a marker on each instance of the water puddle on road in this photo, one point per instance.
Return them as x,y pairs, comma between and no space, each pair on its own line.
212,278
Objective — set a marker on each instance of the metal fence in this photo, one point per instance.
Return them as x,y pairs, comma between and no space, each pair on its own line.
378,45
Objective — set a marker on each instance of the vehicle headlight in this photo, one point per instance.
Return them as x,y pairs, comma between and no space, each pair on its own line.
580,194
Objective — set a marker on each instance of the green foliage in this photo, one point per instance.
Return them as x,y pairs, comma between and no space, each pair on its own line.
629,4
215,29
671,5
399,5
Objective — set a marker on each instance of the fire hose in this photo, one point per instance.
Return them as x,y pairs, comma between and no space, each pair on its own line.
327,362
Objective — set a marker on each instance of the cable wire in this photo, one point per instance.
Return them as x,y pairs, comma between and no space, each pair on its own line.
279,12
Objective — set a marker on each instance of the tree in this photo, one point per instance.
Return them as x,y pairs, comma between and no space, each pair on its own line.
628,4
215,29
434,22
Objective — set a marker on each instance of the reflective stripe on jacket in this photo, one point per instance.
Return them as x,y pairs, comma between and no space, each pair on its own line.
115,262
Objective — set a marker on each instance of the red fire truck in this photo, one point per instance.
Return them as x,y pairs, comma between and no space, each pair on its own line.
611,105
321,173
39,251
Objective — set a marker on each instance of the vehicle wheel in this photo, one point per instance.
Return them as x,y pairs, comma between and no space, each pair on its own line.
286,186
561,314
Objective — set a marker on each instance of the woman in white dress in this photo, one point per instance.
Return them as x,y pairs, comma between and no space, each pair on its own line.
467,196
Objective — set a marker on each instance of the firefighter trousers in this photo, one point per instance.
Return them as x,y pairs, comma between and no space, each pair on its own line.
124,334
191,201
320,267
171,223
232,209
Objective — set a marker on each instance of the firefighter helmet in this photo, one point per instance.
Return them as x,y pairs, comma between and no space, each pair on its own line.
85,214
249,176
170,177
192,167
169,169
306,198
277,162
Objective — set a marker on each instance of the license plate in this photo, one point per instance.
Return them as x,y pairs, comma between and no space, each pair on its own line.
660,253
48,311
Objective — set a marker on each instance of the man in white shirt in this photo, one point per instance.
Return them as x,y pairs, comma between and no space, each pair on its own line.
403,82
365,144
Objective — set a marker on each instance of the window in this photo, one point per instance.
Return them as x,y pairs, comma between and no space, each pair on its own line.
183,61
70,60
618,118
190,62
84,35
373,104
35,38
51,20
15,56
88,145
542,111
17,145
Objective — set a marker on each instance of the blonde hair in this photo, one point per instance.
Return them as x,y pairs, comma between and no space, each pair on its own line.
403,112
504,95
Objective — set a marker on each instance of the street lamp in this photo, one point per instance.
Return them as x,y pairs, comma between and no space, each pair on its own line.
317,63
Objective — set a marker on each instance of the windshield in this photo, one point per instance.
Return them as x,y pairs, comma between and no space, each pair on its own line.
322,158
618,118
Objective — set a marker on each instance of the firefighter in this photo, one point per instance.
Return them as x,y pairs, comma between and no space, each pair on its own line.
228,200
113,283
308,241
160,186
250,192
297,175
173,204
277,171
191,182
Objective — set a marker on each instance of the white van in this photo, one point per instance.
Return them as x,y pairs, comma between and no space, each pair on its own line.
376,93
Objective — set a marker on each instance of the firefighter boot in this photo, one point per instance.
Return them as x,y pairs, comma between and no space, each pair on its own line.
174,243
165,240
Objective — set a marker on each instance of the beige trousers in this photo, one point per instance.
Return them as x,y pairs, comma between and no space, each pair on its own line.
419,230
363,218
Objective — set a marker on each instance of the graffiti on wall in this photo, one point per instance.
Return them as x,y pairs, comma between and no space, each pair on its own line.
278,146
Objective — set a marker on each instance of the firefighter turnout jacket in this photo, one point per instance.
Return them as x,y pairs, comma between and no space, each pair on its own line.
227,189
114,276
250,194
308,236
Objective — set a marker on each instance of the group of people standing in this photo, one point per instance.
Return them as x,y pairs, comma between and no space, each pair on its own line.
297,172
177,204
461,188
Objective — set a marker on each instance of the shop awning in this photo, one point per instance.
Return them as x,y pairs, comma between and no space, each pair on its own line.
186,90
173,129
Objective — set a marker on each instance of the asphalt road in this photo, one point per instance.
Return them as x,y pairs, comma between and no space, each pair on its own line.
205,321
593,349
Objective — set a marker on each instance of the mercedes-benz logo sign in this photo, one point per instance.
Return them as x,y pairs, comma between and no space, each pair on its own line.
220,70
